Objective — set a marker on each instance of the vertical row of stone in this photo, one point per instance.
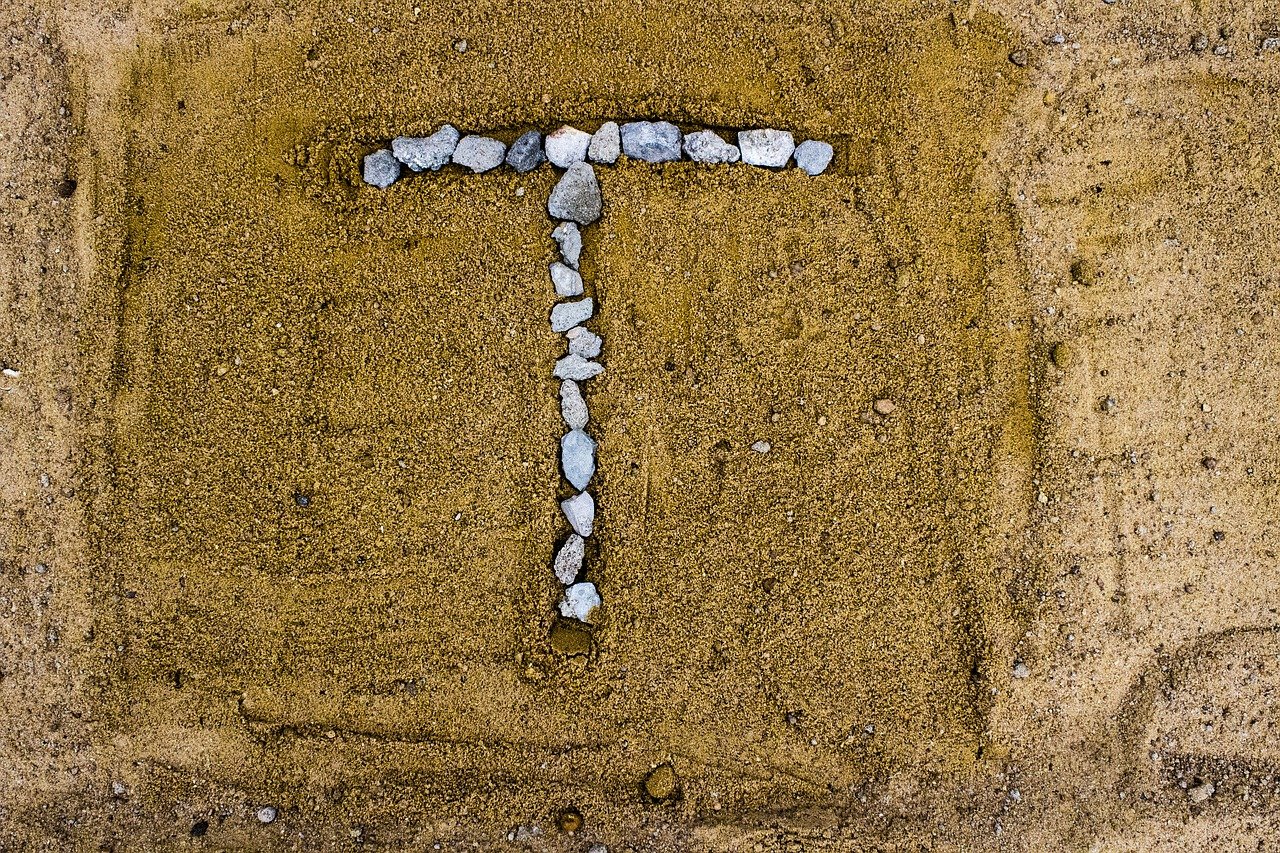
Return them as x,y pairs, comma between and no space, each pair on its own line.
575,202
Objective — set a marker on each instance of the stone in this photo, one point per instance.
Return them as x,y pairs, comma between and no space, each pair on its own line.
479,153
566,315
813,156
432,152
580,512
577,368
569,239
578,458
884,407
762,446
577,196
1198,794
651,141
606,144
1021,670
569,558
567,146
267,814
661,785
580,602
525,154
566,280
381,169
766,147
583,342
573,408
569,820
706,146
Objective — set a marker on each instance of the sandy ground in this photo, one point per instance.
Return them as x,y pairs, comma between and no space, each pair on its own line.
1034,608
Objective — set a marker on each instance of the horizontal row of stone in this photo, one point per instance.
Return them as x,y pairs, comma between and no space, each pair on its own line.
649,141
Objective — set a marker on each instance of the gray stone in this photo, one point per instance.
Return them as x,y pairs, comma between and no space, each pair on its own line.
432,152
572,407
381,169
525,154
606,144
569,239
580,602
566,280
762,446
580,512
813,156
651,141
267,814
566,315
567,146
577,368
569,558
706,146
577,196
766,147
583,342
578,458
479,153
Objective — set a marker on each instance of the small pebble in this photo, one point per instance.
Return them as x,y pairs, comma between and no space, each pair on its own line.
813,156
651,141
1021,670
525,154
569,239
762,447
569,558
577,368
573,408
566,280
460,45
426,152
766,147
266,814
597,848
479,153
1200,793
706,146
577,196
567,146
661,784
381,169
606,144
583,342
884,407
11,373
580,602
580,512
566,315
578,458
569,820
1019,58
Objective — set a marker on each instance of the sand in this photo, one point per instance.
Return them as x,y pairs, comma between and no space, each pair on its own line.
279,507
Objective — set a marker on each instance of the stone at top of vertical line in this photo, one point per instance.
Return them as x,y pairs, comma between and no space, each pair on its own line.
567,146
577,196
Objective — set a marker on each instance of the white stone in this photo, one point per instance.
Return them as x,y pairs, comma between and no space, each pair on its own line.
566,315
813,156
569,558
578,458
766,147
580,602
566,280
381,169
572,407
606,144
569,239
576,196
706,146
479,153
583,342
267,814
426,152
566,146
762,446
577,368
580,512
